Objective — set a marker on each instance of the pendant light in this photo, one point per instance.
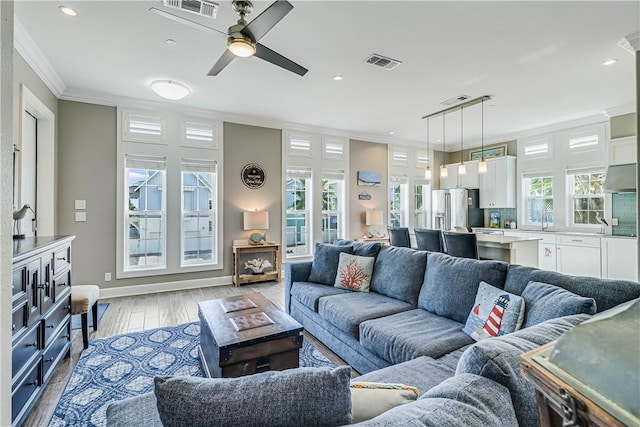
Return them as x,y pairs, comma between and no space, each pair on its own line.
427,171
462,168
482,166
444,173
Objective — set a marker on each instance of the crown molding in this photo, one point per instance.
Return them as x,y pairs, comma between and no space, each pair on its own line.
620,110
32,54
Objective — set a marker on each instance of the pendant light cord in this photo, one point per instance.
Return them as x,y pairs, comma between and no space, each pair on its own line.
482,130
461,132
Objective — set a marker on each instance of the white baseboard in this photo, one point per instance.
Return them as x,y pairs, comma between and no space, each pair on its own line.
152,288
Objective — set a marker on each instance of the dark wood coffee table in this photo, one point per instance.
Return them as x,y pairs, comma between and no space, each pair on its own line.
245,335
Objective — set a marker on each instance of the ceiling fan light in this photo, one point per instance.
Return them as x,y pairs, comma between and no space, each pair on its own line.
482,166
170,89
242,48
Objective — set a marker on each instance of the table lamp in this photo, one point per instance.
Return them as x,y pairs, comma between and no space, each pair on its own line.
374,219
257,221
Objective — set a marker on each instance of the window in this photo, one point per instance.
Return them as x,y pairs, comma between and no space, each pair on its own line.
587,197
142,128
298,196
398,201
332,205
538,200
145,213
198,193
421,203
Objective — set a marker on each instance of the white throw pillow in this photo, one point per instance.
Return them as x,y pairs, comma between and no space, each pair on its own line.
354,272
368,400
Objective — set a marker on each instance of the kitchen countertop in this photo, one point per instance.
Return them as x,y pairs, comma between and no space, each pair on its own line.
551,233
503,240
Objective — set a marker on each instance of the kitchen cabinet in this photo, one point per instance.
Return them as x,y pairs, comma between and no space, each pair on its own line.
498,185
620,258
578,255
468,180
546,247
622,150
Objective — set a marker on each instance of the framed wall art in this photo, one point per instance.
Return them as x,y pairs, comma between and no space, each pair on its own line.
371,179
489,153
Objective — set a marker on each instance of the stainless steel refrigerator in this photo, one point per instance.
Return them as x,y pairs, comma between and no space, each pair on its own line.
457,207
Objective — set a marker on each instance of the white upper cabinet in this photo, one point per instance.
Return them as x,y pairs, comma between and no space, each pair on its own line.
623,150
454,180
498,185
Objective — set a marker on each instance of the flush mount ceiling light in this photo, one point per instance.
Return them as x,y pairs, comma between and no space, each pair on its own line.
68,10
609,62
241,47
338,78
170,89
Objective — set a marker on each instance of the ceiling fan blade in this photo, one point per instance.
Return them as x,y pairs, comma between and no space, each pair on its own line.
185,21
262,23
275,58
224,60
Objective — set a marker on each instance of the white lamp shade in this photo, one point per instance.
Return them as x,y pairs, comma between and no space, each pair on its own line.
373,217
462,169
482,166
256,220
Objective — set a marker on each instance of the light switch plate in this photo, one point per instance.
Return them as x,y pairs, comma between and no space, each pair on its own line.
81,204
614,221
81,216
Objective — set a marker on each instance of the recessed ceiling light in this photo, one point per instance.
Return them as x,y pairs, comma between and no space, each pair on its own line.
338,78
170,89
68,10
392,133
610,61
171,42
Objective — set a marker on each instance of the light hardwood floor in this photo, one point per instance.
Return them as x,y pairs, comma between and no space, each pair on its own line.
137,313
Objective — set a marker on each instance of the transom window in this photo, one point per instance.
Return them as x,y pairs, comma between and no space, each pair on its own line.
587,197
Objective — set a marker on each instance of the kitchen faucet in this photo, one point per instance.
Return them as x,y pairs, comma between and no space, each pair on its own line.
543,227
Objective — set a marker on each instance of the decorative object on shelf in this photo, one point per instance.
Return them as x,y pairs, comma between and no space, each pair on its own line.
257,221
494,220
427,171
18,215
257,265
364,196
482,166
489,153
372,179
374,219
253,176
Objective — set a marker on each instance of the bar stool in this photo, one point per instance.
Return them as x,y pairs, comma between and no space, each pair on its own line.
83,298
463,245
429,240
399,236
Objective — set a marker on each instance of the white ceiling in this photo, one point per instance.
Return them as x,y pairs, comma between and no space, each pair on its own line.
541,61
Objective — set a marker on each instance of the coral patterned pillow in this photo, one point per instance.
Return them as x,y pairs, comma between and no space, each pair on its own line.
354,272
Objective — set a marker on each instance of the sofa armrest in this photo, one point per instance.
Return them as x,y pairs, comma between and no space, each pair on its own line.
294,272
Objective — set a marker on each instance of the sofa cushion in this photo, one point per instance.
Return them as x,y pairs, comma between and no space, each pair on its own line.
405,336
498,359
464,400
347,311
325,263
361,248
544,302
354,272
451,284
137,411
294,397
606,292
423,373
495,312
399,272
309,293
370,399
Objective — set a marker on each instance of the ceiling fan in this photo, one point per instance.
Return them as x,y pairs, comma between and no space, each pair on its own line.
242,38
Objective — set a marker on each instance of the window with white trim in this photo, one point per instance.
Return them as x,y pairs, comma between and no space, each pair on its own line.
538,195
297,220
143,128
333,200
145,213
198,216
421,194
587,196
398,201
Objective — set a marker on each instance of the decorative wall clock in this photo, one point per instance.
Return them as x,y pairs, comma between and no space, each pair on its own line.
253,176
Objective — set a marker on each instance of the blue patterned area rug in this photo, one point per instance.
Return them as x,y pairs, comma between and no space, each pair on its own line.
123,366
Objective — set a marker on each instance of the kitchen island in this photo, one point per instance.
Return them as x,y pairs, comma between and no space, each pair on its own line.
514,250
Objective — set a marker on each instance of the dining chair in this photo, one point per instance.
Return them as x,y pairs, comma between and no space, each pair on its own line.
463,245
399,236
429,240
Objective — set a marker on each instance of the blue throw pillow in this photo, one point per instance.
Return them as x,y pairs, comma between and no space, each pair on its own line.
293,397
544,301
325,263
495,312
369,249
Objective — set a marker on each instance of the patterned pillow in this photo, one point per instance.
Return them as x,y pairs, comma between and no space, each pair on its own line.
354,272
495,312
368,400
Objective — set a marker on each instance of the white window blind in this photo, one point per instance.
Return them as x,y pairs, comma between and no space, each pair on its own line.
583,141
536,149
422,159
143,128
399,157
145,162
298,146
199,135
299,173
400,179
333,148
337,175
198,166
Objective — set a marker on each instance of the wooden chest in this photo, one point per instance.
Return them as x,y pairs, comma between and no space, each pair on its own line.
246,334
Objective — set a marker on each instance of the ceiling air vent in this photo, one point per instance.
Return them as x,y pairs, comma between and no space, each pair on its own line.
382,61
456,100
199,7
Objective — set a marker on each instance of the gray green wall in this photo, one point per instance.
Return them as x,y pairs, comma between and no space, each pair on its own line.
622,126
366,156
454,156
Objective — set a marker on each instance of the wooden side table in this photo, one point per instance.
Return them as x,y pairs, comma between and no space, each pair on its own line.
245,255
383,240
560,404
